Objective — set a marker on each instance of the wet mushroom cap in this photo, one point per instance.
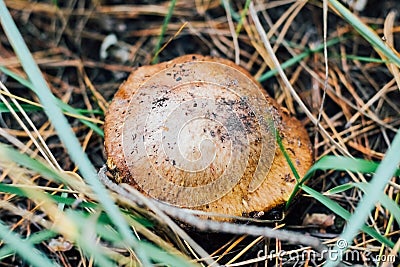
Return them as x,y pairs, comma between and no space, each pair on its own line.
199,132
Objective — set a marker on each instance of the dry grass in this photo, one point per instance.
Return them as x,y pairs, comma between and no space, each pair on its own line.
357,105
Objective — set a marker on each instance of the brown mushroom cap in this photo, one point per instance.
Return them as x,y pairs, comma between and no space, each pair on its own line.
188,133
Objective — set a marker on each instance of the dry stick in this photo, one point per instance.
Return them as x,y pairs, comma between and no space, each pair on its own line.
325,30
208,225
325,19
141,200
268,47
242,229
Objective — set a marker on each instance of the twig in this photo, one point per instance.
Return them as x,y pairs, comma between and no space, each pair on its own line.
208,225
325,22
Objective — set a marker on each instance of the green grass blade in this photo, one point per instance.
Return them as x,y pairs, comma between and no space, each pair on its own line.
341,163
64,130
11,154
386,201
338,163
163,30
298,58
25,192
242,15
25,107
164,258
286,155
366,32
340,188
33,108
25,249
343,213
364,59
385,171
35,238
87,237
65,107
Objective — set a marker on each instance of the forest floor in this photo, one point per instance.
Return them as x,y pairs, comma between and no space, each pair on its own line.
86,49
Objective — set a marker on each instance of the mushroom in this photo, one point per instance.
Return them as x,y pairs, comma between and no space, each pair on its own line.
200,132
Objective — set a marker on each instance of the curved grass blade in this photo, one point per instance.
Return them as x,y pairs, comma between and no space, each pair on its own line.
88,224
366,32
343,213
165,258
35,238
385,171
338,163
340,188
24,248
386,201
65,132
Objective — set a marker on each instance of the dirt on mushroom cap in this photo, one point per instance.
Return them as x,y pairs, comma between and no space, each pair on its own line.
230,199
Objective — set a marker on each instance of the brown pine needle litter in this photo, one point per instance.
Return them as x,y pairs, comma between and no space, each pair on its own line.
313,61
